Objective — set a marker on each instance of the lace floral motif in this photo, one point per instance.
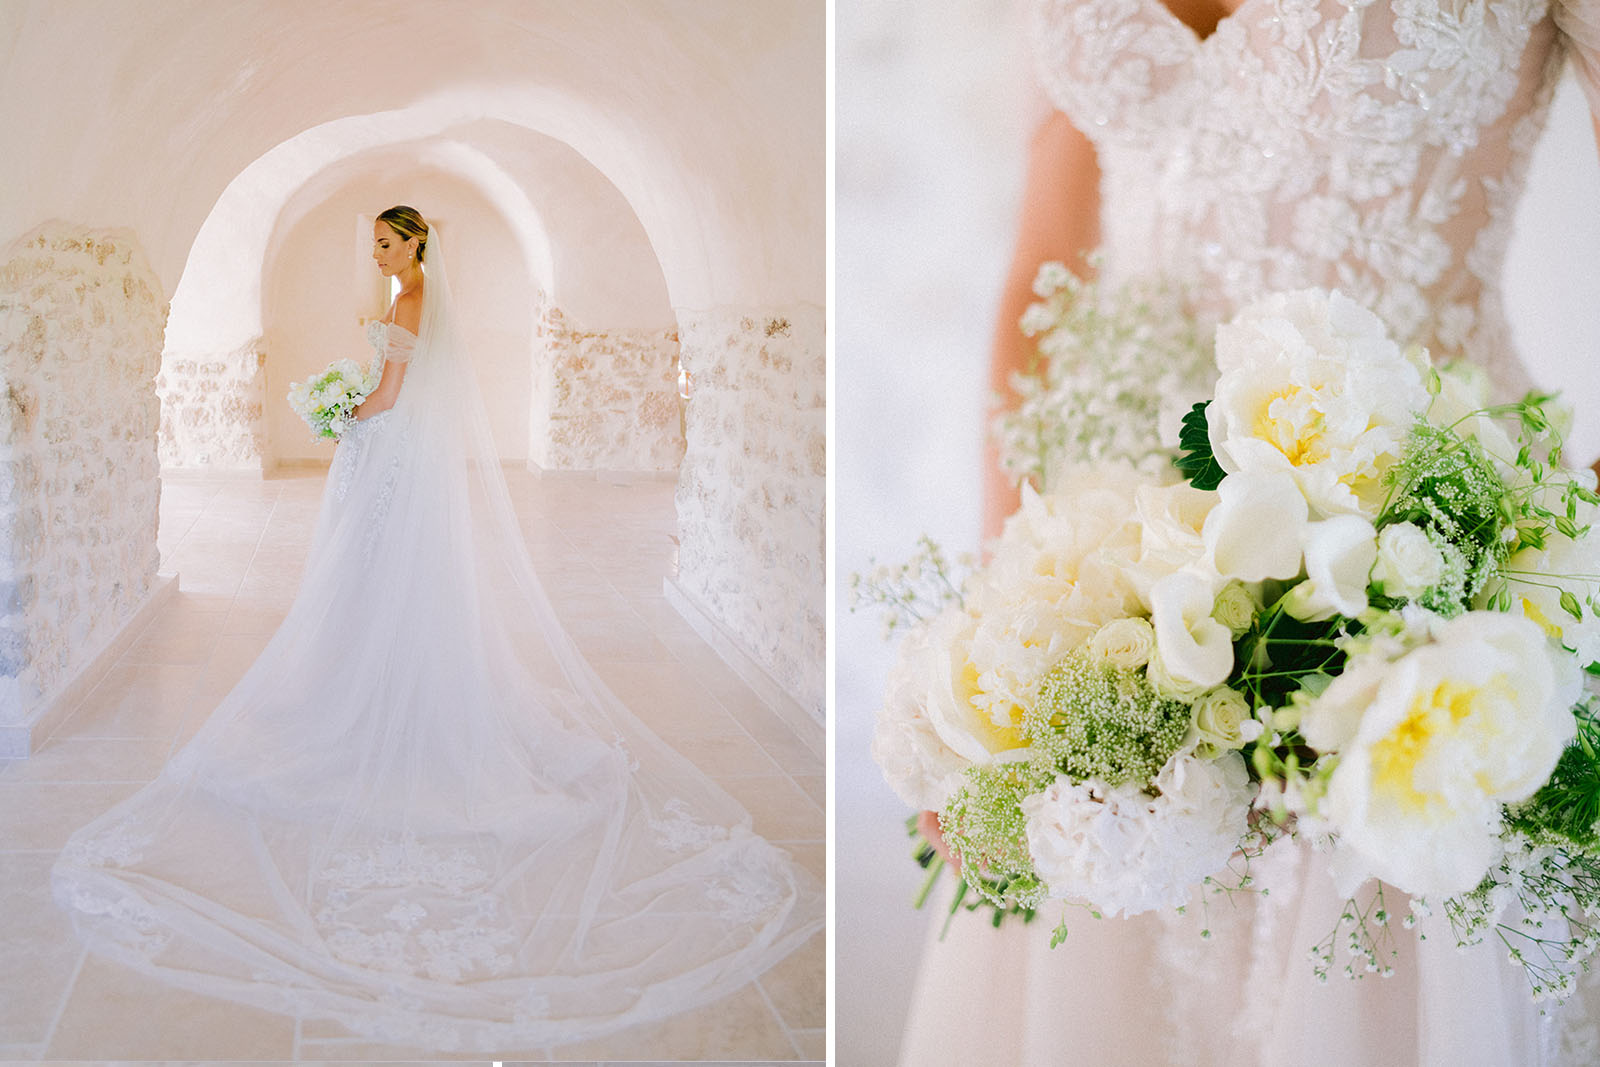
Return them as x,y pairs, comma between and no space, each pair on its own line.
747,885
374,914
679,831
1377,147
404,862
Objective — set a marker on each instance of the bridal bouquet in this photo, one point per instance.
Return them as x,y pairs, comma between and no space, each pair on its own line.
1357,605
328,401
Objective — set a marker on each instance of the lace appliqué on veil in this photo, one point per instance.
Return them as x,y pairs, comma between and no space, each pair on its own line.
406,907
744,884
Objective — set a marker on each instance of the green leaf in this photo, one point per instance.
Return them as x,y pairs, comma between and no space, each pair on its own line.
1569,604
1059,934
1194,440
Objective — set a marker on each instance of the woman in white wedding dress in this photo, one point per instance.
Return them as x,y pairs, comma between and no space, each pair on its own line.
1374,146
420,813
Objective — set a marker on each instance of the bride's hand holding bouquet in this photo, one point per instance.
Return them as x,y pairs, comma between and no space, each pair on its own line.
328,401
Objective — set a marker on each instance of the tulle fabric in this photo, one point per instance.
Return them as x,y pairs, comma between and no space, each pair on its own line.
1225,985
420,813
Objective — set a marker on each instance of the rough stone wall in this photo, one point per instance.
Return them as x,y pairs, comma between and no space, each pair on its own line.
605,400
81,323
751,492
212,409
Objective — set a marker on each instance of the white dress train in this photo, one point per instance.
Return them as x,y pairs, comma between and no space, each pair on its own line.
420,814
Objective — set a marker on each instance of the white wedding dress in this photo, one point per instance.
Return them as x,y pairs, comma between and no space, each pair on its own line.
1377,147
420,813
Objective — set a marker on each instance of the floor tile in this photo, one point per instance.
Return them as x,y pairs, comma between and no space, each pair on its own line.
117,1013
38,953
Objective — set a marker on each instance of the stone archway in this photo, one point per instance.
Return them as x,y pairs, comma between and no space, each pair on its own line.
709,121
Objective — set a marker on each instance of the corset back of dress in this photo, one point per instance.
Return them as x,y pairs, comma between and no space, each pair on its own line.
1375,147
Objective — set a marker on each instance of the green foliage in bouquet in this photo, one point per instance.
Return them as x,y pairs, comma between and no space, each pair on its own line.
1447,486
1196,460
964,898
1096,720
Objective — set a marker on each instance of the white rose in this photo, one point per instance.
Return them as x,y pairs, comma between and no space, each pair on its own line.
1222,719
1454,729
1408,563
1125,643
1339,555
1256,529
1192,648
1236,606
1312,385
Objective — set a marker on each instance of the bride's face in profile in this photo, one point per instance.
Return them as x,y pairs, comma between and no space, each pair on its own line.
392,252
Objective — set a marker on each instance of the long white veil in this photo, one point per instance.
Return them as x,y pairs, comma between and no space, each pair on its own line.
420,813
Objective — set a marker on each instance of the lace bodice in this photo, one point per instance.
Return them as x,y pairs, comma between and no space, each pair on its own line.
1377,146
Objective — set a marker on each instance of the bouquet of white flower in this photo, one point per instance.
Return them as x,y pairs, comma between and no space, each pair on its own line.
1358,604
328,401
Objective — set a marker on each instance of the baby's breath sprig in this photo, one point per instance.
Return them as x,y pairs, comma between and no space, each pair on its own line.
915,590
1363,931
1557,894
1108,364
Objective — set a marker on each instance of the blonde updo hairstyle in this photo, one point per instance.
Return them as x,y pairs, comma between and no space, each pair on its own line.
408,223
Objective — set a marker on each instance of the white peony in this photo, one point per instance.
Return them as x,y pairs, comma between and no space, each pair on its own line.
1433,743
1127,852
1171,520
1193,650
974,728
921,769
1312,385
1408,563
1339,555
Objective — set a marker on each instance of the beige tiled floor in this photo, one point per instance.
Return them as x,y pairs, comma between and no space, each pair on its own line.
238,547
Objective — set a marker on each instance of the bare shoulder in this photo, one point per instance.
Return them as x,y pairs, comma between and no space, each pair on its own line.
408,309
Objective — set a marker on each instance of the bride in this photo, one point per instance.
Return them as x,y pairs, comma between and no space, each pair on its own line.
1374,146
420,813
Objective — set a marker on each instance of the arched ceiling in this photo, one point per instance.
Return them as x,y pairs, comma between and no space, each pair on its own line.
708,115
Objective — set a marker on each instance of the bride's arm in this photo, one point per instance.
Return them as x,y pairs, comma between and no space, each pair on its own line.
407,314
383,397
1060,221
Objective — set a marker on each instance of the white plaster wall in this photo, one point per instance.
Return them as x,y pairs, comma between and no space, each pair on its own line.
81,315
752,489
933,112
313,315
708,115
